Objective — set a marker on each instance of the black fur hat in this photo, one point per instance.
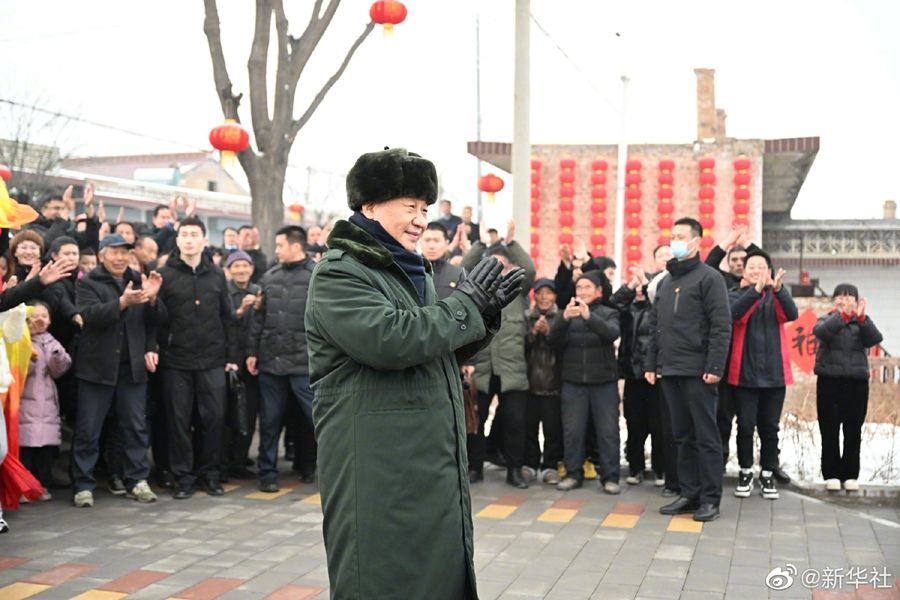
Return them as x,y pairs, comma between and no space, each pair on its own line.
391,173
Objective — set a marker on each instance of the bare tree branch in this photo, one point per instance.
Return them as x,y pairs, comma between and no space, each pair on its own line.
227,98
257,66
285,87
299,123
310,38
317,8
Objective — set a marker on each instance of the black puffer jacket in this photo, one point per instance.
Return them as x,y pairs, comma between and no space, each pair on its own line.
843,345
691,321
278,331
635,339
100,343
587,345
544,376
237,295
60,296
199,331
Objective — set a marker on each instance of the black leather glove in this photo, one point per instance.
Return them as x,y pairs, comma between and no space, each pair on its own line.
509,289
482,283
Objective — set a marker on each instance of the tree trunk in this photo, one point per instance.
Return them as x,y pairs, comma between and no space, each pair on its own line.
267,207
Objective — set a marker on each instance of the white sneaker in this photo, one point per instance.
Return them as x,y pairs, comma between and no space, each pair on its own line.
659,481
611,487
550,476
84,499
528,474
851,485
46,496
634,479
3,526
833,485
141,492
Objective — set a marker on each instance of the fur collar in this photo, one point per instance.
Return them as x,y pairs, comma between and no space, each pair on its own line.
356,242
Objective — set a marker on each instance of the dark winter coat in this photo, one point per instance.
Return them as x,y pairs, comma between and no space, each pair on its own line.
759,348
544,362
390,424
260,264
237,295
636,332
691,321
100,343
588,356
505,357
446,277
199,331
60,297
843,342
277,332
24,291
48,229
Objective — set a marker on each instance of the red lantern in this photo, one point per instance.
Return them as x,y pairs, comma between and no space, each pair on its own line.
633,222
665,208
663,240
535,192
567,163
535,221
706,193
633,193
535,252
535,206
598,179
565,238
387,13
667,165
566,220
665,179
566,205
665,193
707,178
742,164
633,179
633,240
706,222
490,184
707,208
742,179
741,208
665,222
536,164
566,190
535,239
598,239
598,222
296,211
535,178
5,172
633,165
599,165
567,177
229,137
598,207
633,254
598,193
742,194
707,242
707,163
632,207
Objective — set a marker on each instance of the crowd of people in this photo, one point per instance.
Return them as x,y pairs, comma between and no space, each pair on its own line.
143,336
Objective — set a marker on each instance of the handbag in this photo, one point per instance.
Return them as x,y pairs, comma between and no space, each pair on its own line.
470,405
238,419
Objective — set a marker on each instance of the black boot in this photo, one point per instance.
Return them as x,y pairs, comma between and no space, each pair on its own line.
707,512
475,476
681,506
515,479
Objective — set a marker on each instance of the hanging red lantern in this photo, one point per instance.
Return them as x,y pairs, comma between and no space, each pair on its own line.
665,208
566,220
598,208
742,194
633,179
633,193
598,193
535,221
535,178
706,222
567,177
742,179
566,205
599,222
5,173
707,242
707,163
706,193
707,178
707,208
565,238
535,239
296,211
665,179
566,190
741,208
535,191
633,240
633,255
387,13
536,164
632,221
567,164
599,165
633,165
665,193
229,138
535,206
665,222
598,179
535,252
741,204
667,164
490,184
742,164
598,239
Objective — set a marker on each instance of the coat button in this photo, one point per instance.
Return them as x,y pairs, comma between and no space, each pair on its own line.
459,313
462,327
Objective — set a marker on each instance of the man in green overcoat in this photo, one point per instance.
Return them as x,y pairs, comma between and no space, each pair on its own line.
384,356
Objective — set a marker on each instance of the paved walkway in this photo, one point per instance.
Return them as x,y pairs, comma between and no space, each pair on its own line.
535,543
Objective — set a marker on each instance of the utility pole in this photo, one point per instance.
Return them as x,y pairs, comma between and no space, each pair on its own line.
521,148
479,215
622,158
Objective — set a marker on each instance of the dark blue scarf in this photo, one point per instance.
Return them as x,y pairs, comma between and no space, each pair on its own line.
411,263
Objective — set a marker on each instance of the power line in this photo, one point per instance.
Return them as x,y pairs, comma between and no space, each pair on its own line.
587,77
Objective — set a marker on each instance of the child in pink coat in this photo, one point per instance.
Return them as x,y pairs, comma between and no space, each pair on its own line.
39,420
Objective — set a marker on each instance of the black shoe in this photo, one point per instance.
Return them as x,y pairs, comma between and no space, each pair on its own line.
183,492
707,512
767,487
475,476
241,473
515,479
745,485
669,493
269,487
165,479
781,476
308,477
213,487
496,458
681,506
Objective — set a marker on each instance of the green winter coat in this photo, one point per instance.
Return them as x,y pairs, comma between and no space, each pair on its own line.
506,355
388,412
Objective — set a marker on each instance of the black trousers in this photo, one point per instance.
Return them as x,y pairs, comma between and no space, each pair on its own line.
546,411
39,461
515,404
725,417
670,453
760,409
842,404
184,393
156,417
692,405
640,402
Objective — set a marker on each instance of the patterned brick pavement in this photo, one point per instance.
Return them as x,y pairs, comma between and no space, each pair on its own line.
535,543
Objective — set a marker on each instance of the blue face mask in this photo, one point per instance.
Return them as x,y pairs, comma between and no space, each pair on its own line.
679,249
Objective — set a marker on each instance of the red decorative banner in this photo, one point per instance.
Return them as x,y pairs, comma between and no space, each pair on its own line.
566,201
536,166
598,206
802,344
633,194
